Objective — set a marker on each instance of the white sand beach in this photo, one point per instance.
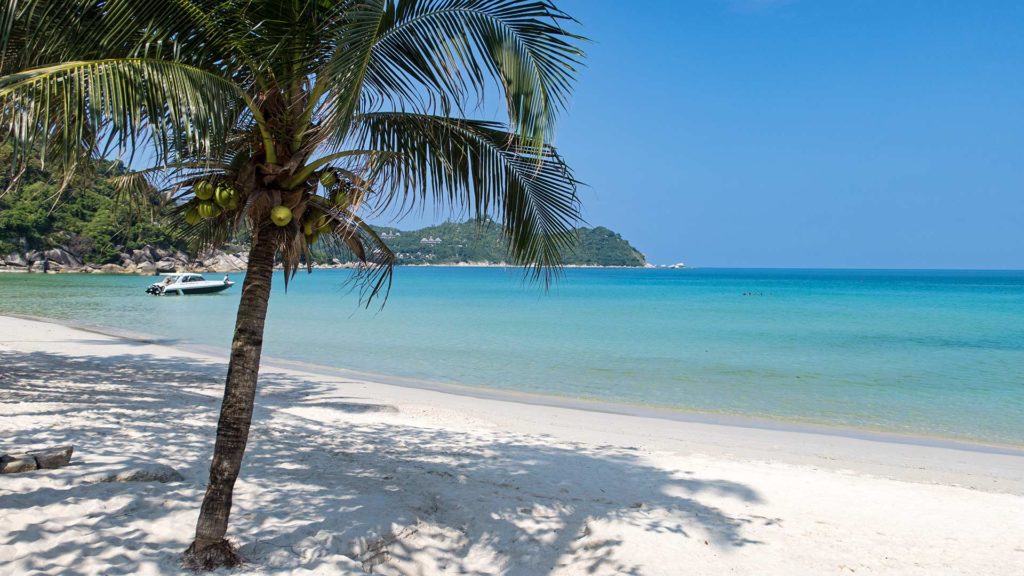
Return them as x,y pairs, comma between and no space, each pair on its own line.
345,476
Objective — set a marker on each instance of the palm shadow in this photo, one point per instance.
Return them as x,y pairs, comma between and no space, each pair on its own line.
328,480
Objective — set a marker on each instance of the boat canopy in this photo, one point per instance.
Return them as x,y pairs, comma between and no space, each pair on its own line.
185,276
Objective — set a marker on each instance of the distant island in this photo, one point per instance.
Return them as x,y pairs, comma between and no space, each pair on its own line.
474,242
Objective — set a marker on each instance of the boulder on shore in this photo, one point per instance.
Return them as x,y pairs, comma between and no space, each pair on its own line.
144,473
14,463
62,256
48,459
15,259
166,266
53,457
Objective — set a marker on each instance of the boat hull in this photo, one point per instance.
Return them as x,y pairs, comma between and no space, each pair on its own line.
198,290
189,289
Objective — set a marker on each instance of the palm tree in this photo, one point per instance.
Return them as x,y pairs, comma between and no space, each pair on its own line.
291,121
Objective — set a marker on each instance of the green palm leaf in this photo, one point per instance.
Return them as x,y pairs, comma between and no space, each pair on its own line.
438,55
173,107
478,165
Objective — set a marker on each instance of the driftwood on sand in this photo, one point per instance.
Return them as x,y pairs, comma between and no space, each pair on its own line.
36,460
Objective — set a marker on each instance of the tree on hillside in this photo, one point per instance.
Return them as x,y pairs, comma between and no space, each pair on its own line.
85,215
290,121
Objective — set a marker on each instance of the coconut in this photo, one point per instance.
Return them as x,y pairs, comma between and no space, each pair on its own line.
281,215
192,215
208,210
328,178
307,228
223,196
323,223
204,190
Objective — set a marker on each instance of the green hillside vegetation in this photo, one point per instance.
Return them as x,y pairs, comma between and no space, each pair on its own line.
86,218
454,243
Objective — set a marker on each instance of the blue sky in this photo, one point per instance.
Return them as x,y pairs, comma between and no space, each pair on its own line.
788,133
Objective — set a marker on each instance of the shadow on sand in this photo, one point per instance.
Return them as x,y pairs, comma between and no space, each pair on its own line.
329,482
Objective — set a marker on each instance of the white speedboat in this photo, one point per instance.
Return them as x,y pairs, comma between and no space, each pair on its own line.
188,283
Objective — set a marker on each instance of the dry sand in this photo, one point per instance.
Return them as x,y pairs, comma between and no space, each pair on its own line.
344,476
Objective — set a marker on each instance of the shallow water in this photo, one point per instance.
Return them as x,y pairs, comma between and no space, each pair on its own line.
936,353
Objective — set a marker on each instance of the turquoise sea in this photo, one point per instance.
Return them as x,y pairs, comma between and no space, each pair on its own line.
929,353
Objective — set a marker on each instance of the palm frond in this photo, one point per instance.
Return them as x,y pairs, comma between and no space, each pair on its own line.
166,180
479,166
449,49
203,33
350,233
338,88
175,108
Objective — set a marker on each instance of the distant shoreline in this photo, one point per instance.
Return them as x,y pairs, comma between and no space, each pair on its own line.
344,266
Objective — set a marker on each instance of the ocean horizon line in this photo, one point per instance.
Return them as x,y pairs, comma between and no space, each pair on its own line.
828,268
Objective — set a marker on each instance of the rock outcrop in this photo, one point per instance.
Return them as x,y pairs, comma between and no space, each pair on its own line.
15,262
38,460
145,261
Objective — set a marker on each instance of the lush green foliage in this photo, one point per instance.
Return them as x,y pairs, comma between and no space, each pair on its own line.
603,247
86,216
452,243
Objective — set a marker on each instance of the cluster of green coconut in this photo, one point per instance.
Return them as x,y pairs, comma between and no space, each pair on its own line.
210,201
311,227
340,196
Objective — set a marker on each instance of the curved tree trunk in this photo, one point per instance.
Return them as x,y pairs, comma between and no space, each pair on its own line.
210,549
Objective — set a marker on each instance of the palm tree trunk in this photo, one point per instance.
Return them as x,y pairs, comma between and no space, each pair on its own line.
210,549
